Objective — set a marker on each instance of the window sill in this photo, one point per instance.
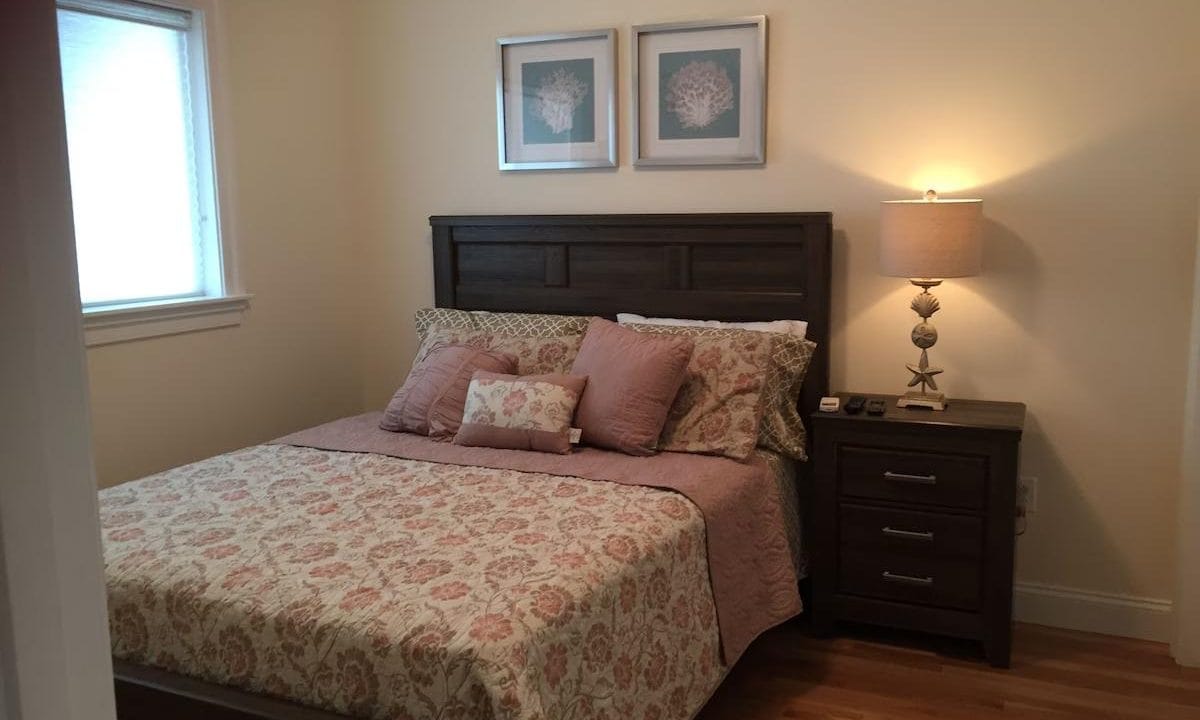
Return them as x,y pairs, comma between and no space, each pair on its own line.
104,326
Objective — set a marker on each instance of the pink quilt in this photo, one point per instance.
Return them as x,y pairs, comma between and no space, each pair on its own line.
391,587
753,574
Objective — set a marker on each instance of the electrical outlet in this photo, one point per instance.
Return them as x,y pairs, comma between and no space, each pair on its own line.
1026,495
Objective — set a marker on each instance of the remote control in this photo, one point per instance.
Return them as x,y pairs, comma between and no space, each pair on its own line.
876,407
830,404
855,404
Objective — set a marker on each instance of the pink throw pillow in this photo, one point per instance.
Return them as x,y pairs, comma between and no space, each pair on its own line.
632,380
430,402
533,412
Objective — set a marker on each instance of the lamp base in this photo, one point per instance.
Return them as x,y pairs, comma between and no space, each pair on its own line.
927,400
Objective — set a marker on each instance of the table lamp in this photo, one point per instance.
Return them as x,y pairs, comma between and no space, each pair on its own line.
926,241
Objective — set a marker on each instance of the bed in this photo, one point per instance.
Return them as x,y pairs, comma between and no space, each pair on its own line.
304,579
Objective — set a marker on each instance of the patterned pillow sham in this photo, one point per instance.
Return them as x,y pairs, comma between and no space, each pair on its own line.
719,409
782,427
535,355
503,323
533,412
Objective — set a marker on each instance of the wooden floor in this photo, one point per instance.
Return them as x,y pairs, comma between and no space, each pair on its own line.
865,675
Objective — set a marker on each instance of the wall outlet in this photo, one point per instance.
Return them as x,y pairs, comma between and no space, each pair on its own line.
1026,495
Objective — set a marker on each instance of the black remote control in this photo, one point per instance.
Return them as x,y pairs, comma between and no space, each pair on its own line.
876,407
855,404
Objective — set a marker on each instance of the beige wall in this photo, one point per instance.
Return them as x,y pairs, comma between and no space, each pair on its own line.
1076,121
296,360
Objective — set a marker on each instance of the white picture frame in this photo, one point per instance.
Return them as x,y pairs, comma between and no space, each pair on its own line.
700,92
556,100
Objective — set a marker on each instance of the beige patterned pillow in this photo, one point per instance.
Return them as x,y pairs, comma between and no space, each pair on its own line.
535,355
782,427
531,324
503,323
532,412
426,318
719,408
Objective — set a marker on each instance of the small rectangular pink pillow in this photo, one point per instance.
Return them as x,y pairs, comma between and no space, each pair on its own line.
533,412
430,402
632,380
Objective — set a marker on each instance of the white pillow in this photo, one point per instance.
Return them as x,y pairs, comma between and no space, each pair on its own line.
799,328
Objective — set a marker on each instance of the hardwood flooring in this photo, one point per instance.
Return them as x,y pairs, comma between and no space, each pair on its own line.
878,675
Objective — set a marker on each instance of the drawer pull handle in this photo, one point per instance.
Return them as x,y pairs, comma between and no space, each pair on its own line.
926,536
906,478
907,579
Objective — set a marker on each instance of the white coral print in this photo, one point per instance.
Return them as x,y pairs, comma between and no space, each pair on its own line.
698,93
558,96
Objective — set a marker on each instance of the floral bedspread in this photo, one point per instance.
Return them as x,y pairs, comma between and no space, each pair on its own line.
389,588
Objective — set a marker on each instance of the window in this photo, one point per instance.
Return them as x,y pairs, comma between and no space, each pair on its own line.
143,180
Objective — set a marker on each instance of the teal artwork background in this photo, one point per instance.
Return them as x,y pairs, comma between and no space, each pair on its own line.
535,130
726,124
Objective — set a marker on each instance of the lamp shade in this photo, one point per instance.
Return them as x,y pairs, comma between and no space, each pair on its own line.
931,238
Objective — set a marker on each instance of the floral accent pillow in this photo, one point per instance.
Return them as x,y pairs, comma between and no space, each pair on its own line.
782,426
502,323
535,355
520,413
719,407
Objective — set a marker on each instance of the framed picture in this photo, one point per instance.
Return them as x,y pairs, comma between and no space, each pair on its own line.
700,92
556,100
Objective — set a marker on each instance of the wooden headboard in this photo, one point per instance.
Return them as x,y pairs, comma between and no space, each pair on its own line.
728,266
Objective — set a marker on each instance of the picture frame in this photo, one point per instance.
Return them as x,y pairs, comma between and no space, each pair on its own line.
700,92
556,100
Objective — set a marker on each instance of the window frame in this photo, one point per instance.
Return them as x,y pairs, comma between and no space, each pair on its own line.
224,301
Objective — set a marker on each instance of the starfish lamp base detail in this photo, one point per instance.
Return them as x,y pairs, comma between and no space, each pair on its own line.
927,400
924,336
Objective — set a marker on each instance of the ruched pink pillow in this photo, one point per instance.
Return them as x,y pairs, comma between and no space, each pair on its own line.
632,380
431,400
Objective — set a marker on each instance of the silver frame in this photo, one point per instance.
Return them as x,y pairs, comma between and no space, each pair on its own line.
610,35
760,155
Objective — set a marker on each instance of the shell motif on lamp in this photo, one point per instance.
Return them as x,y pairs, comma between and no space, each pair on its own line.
926,241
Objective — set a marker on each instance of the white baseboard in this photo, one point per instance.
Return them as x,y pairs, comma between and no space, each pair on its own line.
1098,612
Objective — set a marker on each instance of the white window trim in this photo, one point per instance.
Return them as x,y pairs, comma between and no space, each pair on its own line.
106,324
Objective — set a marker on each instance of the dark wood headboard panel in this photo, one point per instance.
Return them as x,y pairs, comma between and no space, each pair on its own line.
729,266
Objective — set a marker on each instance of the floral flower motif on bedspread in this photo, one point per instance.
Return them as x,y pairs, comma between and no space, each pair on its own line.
387,588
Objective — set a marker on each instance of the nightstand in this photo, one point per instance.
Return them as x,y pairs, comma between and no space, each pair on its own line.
913,519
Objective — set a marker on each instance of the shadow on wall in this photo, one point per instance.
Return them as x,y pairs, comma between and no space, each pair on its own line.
854,226
1011,266
1009,293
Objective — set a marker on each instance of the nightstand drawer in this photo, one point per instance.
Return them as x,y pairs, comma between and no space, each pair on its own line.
910,533
915,477
942,582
